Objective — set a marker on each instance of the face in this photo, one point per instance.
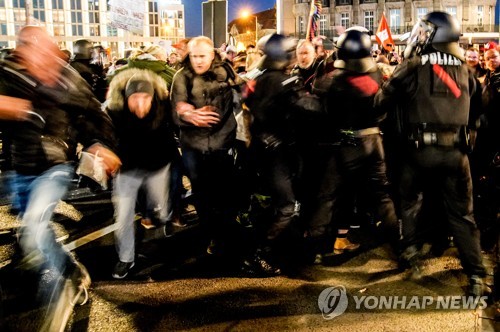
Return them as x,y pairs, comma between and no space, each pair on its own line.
305,55
201,56
40,54
492,59
173,58
140,103
230,55
472,58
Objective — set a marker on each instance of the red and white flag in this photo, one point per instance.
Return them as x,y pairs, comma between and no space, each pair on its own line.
383,35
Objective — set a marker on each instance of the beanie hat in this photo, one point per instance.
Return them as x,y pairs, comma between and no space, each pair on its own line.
136,84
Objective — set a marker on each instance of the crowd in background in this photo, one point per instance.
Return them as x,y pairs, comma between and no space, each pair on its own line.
284,137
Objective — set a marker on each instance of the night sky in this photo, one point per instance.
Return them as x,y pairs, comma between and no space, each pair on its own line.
192,10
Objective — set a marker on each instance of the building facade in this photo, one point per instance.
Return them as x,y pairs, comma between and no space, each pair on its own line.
477,17
70,20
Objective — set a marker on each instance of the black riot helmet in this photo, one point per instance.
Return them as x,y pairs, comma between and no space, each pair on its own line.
438,31
354,52
278,50
83,49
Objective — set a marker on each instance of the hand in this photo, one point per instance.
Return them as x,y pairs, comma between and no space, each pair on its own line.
202,117
13,108
110,160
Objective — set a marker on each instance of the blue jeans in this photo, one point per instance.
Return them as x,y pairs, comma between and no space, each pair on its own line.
38,196
126,186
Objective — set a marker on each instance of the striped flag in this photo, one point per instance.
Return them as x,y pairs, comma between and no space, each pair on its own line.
316,7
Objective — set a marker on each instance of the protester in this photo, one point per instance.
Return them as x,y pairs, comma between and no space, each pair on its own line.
153,58
472,60
307,65
202,100
142,118
49,108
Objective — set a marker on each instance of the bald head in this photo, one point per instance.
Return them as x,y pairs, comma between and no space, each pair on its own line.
40,54
35,36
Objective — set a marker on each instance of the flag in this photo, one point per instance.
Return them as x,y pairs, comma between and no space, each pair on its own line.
314,16
383,35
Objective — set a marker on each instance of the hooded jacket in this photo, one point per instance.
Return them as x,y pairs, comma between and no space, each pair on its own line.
149,62
146,143
62,116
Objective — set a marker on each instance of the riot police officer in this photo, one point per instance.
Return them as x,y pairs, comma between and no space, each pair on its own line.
89,68
275,105
436,93
351,145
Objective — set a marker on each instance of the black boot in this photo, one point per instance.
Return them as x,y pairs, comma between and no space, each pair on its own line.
411,258
260,264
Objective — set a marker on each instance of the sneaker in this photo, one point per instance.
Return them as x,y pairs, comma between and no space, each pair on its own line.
178,222
477,287
265,267
342,244
259,266
69,291
122,269
416,269
147,223
81,282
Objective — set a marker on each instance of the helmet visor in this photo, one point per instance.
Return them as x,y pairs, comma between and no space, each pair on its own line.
421,33
420,36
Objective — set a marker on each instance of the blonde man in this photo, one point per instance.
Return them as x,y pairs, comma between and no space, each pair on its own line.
202,101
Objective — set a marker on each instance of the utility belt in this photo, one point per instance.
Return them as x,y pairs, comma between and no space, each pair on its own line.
352,137
421,136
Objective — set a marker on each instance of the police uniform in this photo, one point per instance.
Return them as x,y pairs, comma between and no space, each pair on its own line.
434,90
351,143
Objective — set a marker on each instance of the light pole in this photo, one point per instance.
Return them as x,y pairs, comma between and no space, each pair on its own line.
246,14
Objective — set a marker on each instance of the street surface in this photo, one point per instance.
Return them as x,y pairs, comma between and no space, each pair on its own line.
176,286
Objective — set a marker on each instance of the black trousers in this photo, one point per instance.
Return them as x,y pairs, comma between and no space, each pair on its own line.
445,171
212,182
280,168
350,170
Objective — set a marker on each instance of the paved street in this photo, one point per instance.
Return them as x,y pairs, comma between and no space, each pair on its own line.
176,286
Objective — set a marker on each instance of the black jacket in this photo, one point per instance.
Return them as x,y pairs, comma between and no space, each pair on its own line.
348,104
212,88
278,106
435,88
146,143
94,75
62,117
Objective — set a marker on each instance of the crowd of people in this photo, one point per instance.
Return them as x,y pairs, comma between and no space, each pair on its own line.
291,129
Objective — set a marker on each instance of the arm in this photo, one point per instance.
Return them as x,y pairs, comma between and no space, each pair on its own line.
186,113
14,109
395,90
95,128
